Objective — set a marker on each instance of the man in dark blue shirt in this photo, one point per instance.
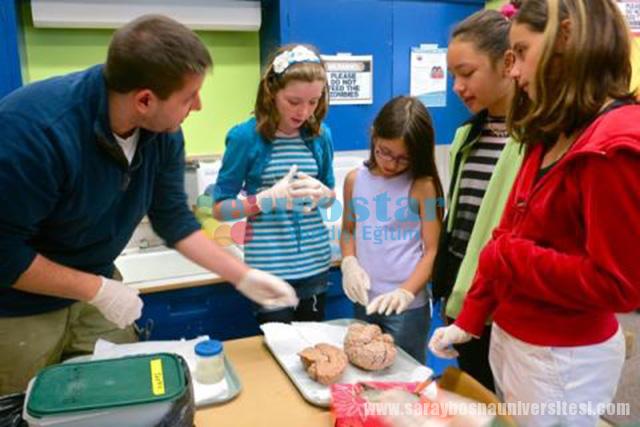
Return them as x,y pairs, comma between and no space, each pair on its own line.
83,157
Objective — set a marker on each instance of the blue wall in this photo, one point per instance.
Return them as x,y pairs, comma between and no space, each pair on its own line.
429,22
10,69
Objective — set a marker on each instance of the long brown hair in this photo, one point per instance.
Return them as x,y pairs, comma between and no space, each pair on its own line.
594,67
267,116
406,118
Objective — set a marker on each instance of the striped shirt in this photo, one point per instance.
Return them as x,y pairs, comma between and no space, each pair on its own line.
474,179
290,245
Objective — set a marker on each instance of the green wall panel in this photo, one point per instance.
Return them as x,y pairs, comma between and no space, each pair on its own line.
228,92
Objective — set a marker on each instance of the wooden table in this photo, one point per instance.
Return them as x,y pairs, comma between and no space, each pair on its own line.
268,397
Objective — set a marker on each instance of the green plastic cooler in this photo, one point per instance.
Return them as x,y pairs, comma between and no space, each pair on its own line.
145,390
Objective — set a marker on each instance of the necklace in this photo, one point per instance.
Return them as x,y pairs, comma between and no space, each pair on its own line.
497,128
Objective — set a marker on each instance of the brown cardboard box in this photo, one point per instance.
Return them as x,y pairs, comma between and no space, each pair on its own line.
465,385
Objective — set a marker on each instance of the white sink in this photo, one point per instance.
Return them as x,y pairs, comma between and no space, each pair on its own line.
159,264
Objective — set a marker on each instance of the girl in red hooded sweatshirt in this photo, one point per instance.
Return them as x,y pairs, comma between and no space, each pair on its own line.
564,258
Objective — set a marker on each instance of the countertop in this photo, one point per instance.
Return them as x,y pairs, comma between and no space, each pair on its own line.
170,284
191,281
268,397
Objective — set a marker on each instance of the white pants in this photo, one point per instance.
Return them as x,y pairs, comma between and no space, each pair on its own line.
567,384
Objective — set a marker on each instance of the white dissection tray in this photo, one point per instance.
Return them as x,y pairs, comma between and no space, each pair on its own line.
286,340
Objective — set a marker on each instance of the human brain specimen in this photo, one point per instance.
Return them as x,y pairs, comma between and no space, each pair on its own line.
368,348
324,363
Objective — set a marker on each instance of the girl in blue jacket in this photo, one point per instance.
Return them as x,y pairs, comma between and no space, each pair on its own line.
281,159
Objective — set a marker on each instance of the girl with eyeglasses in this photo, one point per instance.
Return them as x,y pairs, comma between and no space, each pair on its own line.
391,223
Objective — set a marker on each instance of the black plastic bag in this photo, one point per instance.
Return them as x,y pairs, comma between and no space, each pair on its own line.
11,410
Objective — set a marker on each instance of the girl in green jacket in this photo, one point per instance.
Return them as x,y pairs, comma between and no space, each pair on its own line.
483,164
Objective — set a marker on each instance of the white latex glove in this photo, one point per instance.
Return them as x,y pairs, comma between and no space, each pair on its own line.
355,281
117,302
307,186
267,290
279,193
392,302
443,338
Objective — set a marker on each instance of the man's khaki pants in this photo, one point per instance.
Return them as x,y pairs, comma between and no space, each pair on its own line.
30,343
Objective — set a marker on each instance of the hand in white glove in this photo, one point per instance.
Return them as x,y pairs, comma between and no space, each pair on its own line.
443,338
395,301
117,302
355,281
307,186
278,194
267,290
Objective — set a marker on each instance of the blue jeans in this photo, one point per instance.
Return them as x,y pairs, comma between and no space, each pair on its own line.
408,329
311,293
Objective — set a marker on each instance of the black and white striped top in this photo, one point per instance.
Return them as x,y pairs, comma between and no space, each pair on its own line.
474,179
290,245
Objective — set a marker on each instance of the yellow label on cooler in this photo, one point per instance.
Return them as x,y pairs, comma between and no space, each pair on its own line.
157,377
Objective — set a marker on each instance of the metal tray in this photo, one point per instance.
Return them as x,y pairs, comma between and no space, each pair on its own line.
233,384
301,380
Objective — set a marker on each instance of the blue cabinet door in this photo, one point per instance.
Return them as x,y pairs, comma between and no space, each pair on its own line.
337,306
218,311
10,73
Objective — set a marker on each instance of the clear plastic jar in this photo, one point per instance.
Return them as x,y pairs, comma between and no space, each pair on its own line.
210,362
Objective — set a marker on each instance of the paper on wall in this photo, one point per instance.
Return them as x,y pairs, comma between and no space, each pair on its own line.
429,75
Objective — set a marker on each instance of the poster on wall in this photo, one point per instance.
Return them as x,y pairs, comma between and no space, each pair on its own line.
631,11
429,74
350,79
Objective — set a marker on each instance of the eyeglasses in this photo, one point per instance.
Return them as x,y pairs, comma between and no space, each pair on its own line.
386,155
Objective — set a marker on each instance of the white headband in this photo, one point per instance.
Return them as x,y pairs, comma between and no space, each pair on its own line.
293,56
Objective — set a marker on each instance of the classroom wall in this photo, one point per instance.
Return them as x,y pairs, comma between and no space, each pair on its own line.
228,93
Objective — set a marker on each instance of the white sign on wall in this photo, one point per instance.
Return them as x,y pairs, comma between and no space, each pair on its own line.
429,75
350,79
